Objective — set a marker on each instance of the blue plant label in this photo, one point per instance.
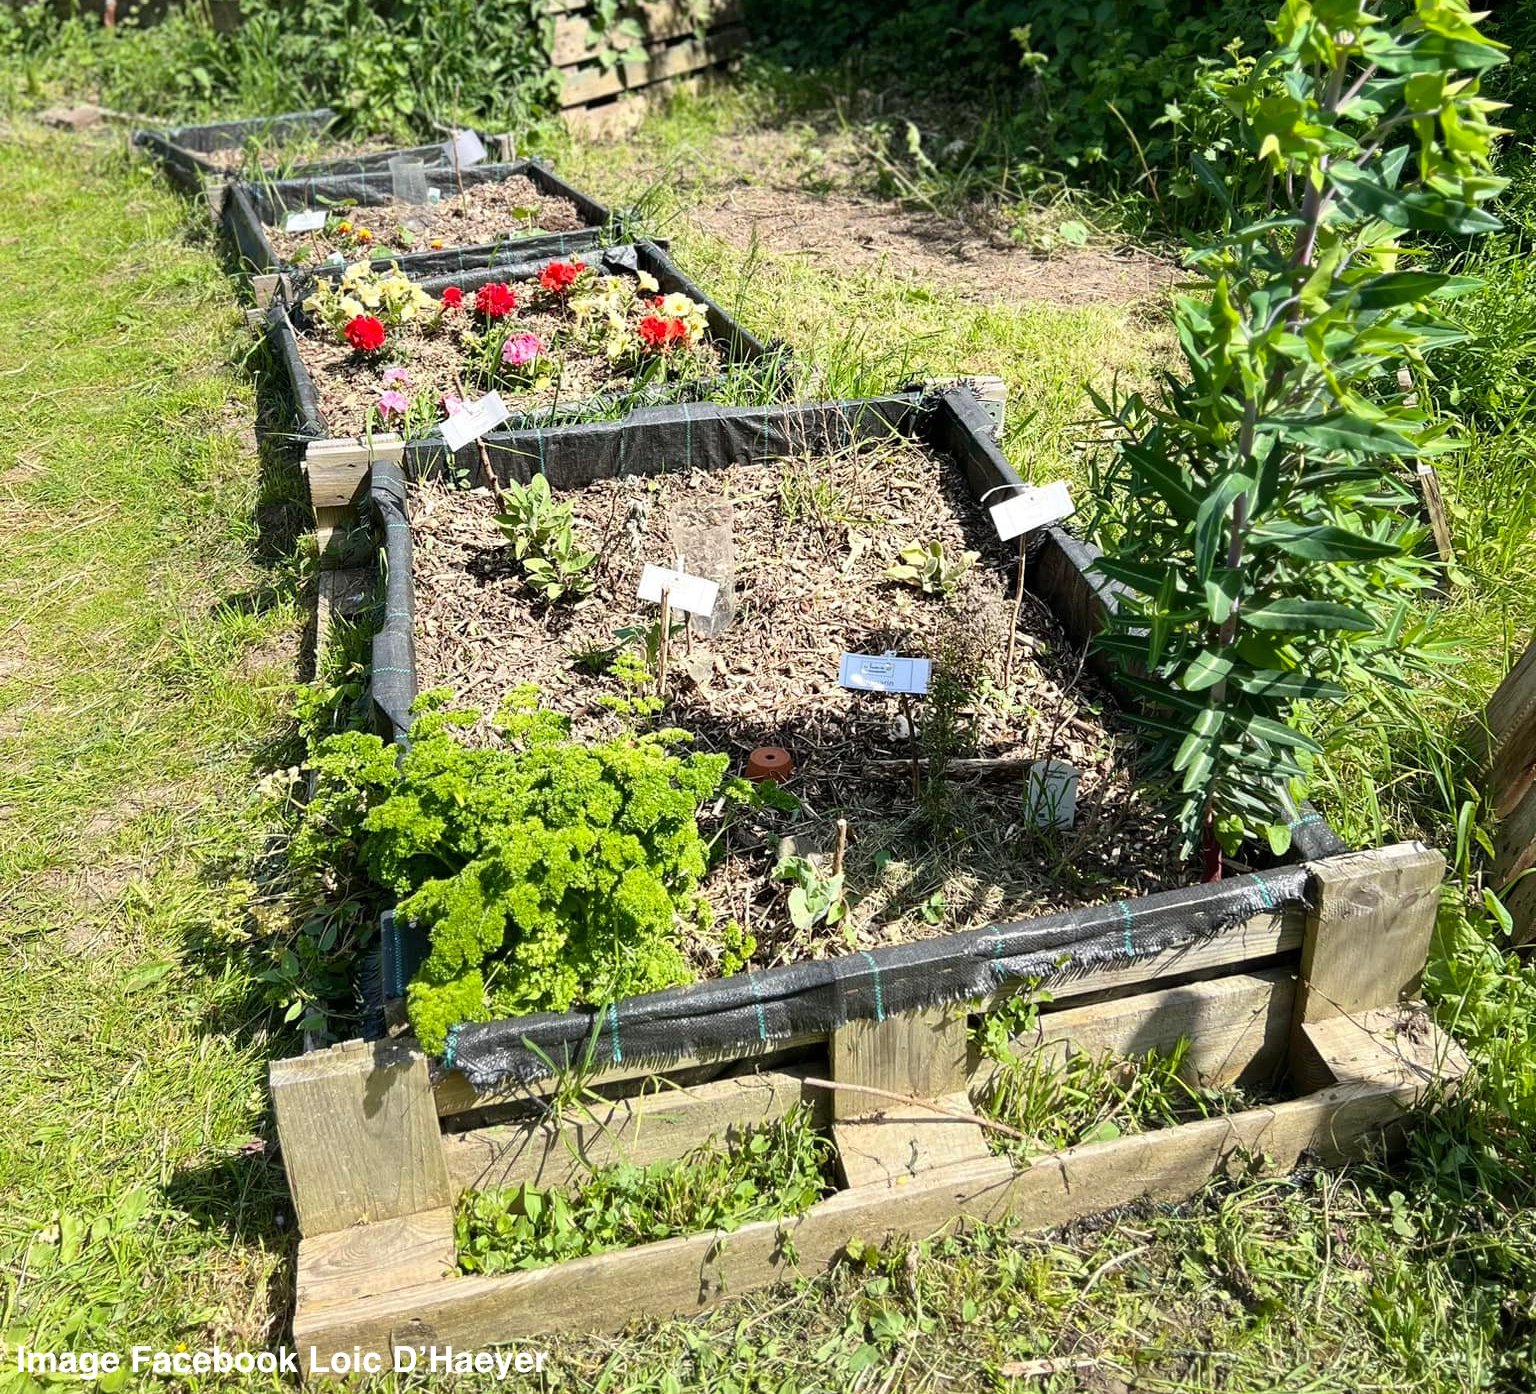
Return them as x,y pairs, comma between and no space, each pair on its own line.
306,220
473,420
1033,507
883,672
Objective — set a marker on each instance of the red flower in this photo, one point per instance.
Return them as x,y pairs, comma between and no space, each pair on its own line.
365,334
560,276
453,297
659,334
495,301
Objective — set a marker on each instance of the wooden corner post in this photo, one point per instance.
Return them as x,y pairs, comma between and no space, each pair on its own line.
1367,938
917,1055
359,1134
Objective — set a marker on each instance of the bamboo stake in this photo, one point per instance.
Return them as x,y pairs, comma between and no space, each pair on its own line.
664,642
1013,628
841,849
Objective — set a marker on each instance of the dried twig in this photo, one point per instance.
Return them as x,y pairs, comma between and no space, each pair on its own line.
912,1099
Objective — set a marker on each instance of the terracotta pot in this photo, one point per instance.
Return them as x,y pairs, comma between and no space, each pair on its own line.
769,762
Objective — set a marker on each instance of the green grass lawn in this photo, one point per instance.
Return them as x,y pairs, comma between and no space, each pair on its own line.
153,598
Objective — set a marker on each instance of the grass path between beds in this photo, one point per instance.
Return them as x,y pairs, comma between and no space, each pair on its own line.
151,607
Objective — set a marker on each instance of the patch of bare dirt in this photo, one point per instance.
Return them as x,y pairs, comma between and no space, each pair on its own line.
842,231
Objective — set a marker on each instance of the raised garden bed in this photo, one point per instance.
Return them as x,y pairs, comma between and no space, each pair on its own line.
482,216
298,143
332,388
1300,1004
1285,983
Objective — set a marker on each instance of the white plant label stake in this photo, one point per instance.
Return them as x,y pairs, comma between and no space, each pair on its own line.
464,149
473,420
869,672
695,595
884,672
305,220
1032,507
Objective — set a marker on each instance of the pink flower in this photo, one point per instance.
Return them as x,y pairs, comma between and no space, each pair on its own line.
453,405
392,403
397,375
520,350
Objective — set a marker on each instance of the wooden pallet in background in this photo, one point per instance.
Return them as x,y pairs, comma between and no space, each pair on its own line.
1510,784
681,41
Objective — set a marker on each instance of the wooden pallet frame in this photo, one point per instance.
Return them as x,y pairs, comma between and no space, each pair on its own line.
607,99
376,1156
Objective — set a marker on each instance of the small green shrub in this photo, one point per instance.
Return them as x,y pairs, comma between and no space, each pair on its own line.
777,1170
545,872
927,566
540,532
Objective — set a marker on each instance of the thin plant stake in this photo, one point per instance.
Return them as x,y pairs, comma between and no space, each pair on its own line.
840,850
917,777
664,642
1013,628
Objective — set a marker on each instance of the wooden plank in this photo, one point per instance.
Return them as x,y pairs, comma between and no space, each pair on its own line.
380,1257
1264,936
337,470
267,286
1510,736
453,1095
684,1276
925,1054
1434,509
1397,1046
1368,933
660,1123
577,42
1238,1028
1514,841
904,1141
590,84
359,1134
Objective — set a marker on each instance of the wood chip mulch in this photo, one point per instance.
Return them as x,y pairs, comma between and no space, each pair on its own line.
801,547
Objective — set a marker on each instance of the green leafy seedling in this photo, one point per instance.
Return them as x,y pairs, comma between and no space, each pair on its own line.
927,566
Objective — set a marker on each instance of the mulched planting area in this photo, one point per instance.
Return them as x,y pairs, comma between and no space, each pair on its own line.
302,148
483,213
803,545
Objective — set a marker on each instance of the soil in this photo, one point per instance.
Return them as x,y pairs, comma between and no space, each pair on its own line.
483,213
843,231
302,149
439,361
806,583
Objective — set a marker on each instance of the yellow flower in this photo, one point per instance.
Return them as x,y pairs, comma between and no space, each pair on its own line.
343,227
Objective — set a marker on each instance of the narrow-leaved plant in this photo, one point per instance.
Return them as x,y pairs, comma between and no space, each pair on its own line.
1268,552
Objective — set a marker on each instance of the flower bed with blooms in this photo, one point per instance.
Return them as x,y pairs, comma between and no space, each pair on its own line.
385,355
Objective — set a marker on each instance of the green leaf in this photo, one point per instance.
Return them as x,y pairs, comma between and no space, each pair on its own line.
1278,733
1365,194
1341,431
1405,287
1322,543
1302,616
1207,670
1273,682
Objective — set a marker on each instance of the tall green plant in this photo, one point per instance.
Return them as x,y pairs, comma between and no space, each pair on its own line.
1264,549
